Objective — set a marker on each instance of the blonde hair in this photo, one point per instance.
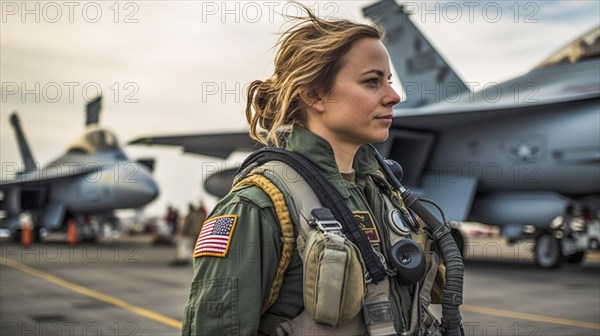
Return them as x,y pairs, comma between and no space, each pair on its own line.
310,55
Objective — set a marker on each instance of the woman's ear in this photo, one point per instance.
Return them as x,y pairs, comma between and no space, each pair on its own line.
312,99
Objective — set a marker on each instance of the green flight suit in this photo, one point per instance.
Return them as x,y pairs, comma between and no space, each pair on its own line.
227,292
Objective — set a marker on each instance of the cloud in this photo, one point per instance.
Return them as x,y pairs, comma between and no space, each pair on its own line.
570,11
188,62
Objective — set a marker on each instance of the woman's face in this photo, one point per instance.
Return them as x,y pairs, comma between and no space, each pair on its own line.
359,109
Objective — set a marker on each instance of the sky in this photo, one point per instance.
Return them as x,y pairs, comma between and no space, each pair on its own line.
181,67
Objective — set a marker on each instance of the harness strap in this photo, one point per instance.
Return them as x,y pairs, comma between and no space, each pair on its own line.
302,197
377,310
425,292
287,231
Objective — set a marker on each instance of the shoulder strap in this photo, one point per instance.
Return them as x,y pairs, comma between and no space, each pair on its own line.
329,197
299,196
287,231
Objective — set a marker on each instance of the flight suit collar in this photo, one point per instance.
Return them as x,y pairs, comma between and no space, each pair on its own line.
319,151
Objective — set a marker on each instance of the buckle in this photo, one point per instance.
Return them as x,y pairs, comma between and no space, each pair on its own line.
326,226
378,312
324,220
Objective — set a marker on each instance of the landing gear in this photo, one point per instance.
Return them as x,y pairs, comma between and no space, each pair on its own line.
548,251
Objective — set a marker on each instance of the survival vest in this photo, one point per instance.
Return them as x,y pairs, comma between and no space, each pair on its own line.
343,274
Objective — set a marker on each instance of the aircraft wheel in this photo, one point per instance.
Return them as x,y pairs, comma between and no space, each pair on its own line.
459,239
88,238
548,253
576,257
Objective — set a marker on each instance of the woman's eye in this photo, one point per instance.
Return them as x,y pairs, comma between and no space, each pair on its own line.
372,81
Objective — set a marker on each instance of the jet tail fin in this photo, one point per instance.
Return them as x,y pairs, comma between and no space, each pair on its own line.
23,145
425,76
92,110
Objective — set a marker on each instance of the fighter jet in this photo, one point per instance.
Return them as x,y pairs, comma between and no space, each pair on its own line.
518,154
519,159
93,178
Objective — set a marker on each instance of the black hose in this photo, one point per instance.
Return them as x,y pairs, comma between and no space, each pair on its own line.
452,295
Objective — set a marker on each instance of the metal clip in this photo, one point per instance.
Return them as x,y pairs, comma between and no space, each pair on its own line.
326,226
324,220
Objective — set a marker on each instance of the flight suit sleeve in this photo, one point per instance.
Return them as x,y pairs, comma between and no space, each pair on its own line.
227,292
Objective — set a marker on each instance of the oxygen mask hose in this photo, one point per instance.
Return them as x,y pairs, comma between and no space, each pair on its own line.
452,295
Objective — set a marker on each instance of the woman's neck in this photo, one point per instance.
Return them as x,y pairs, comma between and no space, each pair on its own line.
343,151
344,156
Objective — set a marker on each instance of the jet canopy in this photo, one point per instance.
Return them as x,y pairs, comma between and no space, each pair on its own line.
582,48
94,140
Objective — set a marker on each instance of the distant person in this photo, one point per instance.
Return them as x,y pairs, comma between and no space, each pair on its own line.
168,218
188,233
202,209
171,220
175,223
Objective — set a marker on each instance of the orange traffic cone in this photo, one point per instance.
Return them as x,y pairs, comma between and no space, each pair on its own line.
26,235
72,233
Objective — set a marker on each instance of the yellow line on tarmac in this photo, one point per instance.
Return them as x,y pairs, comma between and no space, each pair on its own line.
531,317
177,324
93,294
593,257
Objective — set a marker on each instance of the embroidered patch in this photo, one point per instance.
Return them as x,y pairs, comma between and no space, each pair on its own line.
367,224
215,236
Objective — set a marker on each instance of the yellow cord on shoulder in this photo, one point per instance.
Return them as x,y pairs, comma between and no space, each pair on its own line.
287,230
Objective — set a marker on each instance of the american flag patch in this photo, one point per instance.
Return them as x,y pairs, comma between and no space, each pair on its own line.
215,236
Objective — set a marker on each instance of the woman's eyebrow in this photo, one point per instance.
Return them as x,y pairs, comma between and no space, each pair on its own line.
378,72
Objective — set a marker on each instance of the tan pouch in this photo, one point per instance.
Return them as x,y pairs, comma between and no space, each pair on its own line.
334,278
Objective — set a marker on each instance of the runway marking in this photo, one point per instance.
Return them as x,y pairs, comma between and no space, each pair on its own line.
532,317
93,294
593,257
177,324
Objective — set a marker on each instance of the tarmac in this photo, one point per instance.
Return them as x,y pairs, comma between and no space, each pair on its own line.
126,286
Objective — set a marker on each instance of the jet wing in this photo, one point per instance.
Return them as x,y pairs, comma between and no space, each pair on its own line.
218,145
48,175
443,121
564,84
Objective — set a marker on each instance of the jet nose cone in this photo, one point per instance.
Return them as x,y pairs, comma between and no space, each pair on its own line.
138,189
147,189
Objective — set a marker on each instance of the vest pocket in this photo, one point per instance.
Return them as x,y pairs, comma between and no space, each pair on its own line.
334,279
